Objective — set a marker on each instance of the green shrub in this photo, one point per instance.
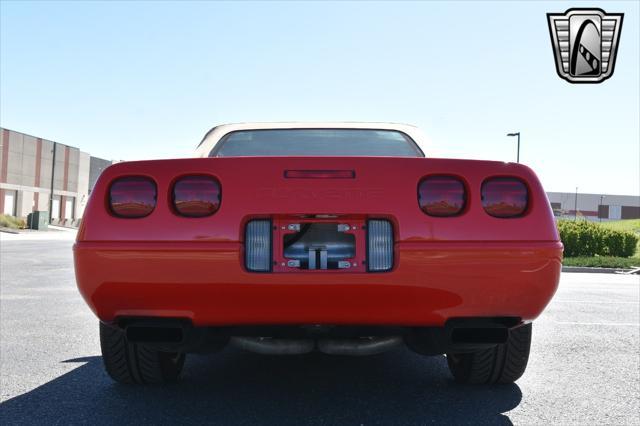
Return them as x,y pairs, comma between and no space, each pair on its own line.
602,262
582,238
12,222
631,244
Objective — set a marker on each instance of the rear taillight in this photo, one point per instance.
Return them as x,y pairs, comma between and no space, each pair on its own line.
132,196
257,242
504,197
196,196
442,196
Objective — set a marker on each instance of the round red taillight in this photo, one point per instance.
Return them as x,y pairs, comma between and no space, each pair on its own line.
132,196
196,196
442,196
504,197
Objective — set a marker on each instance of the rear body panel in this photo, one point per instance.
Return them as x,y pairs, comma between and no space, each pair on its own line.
206,283
256,187
170,266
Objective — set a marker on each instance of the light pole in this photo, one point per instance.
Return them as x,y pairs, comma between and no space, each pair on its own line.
518,135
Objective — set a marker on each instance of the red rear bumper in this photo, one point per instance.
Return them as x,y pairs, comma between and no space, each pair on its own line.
206,283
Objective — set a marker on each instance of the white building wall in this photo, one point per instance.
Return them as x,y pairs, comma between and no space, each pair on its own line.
25,203
588,205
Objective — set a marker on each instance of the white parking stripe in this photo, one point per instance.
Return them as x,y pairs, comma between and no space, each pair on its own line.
621,324
597,302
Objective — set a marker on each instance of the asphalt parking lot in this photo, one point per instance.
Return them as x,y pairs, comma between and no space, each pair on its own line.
584,366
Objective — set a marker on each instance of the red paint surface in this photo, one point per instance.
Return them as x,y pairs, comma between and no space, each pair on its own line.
36,182
172,266
4,166
5,156
65,180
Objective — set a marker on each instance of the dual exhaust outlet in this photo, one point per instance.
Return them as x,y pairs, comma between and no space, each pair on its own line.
354,346
176,335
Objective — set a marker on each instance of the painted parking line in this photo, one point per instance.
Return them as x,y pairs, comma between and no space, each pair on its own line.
619,289
597,302
615,324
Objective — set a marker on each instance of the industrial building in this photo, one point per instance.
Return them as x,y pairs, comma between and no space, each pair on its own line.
37,174
595,207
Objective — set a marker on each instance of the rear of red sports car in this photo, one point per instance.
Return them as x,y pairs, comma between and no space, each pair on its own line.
341,240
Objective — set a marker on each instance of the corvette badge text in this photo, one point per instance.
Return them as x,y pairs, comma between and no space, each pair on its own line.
585,43
314,194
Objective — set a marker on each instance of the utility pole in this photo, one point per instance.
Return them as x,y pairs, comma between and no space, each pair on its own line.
600,207
518,135
575,207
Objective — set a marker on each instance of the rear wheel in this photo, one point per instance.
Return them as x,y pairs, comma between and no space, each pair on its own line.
503,363
136,363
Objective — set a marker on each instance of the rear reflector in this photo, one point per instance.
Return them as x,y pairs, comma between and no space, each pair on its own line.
442,196
257,243
196,196
320,174
504,197
379,245
132,196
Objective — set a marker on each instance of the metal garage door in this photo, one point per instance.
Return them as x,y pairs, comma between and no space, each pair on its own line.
68,208
615,212
55,208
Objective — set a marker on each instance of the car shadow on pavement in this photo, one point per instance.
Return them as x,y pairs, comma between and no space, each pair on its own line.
235,387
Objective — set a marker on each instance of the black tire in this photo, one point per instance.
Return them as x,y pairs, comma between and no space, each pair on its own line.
136,363
501,364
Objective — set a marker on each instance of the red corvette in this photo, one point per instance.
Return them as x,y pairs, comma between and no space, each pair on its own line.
336,237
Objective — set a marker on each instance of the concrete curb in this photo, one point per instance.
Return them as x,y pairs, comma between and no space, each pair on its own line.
9,230
27,231
594,270
62,228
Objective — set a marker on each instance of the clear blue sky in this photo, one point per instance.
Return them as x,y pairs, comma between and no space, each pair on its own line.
146,80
